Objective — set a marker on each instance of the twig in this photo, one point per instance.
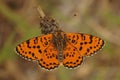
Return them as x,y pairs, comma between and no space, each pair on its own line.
40,11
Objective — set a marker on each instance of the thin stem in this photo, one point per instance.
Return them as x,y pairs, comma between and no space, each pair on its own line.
40,11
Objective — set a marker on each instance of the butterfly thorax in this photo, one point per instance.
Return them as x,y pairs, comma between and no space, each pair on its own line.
59,41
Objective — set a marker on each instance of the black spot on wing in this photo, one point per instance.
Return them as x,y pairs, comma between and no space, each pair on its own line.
36,40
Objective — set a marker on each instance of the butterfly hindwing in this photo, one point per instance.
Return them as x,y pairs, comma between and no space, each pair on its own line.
49,60
71,56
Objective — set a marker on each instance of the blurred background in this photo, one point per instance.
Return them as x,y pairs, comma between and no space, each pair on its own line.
19,21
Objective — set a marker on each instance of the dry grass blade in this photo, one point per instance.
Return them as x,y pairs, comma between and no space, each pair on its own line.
40,11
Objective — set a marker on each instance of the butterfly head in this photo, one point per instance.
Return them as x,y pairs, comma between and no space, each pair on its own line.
48,25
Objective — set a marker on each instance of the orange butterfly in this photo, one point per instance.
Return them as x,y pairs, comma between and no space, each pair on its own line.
54,48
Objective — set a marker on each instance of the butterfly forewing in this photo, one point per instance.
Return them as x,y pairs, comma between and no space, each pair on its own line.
34,48
84,43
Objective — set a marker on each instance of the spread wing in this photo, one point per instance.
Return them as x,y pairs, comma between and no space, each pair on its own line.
40,49
80,45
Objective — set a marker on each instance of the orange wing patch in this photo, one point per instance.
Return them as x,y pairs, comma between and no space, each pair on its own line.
84,43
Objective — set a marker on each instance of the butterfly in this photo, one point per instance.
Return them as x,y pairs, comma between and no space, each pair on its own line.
51,50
